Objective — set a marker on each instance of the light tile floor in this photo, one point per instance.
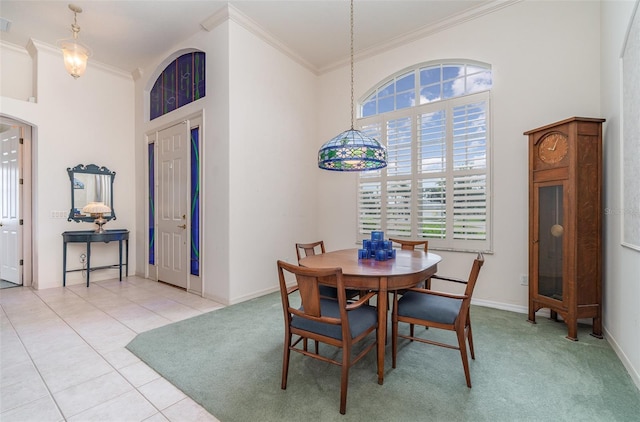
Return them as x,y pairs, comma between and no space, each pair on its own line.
63,356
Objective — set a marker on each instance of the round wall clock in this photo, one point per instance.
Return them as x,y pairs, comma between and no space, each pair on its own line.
553,148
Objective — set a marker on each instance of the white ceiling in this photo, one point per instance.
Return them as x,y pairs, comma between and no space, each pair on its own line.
127,34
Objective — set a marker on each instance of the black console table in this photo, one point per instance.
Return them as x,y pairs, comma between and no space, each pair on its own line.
89,236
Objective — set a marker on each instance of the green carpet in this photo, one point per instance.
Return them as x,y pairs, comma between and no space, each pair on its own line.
230,361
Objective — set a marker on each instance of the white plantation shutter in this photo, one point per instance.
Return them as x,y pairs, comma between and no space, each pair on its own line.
432,150
399,197
469,207
432,166
369,207
399,146
436,185
469,137
432,209
469,172
399,170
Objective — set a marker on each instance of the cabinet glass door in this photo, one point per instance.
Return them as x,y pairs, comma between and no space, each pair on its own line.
550,235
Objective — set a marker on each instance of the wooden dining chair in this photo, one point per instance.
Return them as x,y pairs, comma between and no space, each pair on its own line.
306,249
314,248
437,309
410,245
333,322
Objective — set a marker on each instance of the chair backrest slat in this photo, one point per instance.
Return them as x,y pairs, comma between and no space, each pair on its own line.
308,280
410,245
309,294
309,248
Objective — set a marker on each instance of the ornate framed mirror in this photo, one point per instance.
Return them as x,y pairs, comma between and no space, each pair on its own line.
90,183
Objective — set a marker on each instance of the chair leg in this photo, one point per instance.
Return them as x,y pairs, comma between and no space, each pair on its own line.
463,354
470,341
285,361
344,378
427,285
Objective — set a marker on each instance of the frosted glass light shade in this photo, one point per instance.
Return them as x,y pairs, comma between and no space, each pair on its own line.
75,57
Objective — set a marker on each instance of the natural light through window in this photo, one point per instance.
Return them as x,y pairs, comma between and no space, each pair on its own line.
434,121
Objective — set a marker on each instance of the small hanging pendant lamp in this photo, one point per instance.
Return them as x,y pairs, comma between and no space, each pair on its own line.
352,150
75,53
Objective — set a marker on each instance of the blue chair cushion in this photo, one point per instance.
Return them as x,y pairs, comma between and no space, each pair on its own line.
332,292
360,320
328,291
429,307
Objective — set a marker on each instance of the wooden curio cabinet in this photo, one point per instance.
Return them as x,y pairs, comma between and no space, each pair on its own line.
565,222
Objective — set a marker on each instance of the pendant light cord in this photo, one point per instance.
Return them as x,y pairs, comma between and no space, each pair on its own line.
352,150
351,28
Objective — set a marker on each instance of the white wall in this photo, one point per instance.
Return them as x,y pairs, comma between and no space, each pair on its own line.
214,108
622,265
542,73
273,200
83,121
16,78
258,195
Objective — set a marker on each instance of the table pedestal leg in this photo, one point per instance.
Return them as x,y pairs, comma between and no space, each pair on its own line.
382,326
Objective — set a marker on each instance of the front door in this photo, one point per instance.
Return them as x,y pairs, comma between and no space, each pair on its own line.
173,197
11,192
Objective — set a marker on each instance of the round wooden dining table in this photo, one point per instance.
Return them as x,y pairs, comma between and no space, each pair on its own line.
406,270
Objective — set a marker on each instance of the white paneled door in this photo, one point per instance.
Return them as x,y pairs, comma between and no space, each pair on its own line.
10,229
173,197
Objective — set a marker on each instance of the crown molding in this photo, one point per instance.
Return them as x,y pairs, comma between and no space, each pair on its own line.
13,47
34,46
232,14
137,73
460,18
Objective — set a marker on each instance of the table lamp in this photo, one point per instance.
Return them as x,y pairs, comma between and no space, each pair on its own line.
96,210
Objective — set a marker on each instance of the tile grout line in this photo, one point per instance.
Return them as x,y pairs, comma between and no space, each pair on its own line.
117,293
120,294
65,417
32,292
99,353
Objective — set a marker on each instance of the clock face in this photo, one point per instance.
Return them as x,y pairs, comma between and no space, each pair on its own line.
553,148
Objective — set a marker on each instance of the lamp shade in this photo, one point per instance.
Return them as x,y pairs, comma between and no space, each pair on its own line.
75,57
352,151
96,208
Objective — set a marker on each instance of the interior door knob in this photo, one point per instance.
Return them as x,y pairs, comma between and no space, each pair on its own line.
182,226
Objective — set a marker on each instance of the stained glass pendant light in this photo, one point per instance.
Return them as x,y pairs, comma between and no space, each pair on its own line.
352,150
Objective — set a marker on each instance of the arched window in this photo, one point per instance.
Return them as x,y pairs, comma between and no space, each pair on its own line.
180,83
434,120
